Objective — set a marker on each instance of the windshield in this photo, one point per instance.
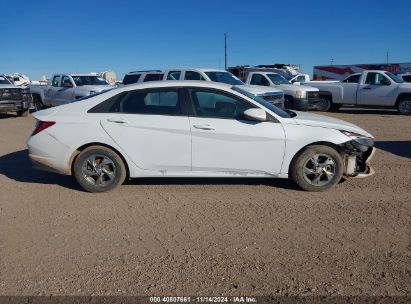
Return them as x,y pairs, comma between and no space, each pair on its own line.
262,102
277,79
89,80
394,77
224,77
3,80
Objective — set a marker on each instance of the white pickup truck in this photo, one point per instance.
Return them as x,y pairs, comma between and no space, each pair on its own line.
271,95
296,97
372,88
66,88
13,98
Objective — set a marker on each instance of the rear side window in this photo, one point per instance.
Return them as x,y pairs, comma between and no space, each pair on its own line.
131,78
173,75
153,77
352,79
191,75
150,102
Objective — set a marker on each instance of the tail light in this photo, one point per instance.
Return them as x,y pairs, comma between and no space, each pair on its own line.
41,126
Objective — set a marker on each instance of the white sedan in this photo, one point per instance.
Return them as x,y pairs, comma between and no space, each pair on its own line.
194,129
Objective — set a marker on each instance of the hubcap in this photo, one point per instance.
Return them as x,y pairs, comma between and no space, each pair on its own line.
319,170
323,105
405,107
99,170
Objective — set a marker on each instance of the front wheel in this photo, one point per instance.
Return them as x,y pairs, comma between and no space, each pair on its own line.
318,168
404,107
99,169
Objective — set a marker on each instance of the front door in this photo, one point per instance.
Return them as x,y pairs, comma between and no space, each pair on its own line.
150,128
377,90
224,142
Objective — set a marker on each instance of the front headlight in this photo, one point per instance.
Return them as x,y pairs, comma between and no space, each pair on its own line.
361,142
299,94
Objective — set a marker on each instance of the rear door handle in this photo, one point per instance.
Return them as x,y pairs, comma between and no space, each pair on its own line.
117,120
204,127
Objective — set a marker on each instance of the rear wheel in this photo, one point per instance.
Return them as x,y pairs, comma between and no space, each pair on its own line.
404,106
318,168
23,113
99,169
37,103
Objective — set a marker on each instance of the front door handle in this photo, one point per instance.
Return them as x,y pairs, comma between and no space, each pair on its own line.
366,88
117,120
204,127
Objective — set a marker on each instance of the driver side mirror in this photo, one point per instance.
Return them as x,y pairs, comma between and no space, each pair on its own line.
255,114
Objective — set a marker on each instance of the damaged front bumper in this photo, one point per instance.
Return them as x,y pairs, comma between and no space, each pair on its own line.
357,154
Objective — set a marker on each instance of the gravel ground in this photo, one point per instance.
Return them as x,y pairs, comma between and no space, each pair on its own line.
208,237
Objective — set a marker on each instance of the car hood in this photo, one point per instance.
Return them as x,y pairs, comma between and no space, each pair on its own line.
293,87
8,86
315,120
257,90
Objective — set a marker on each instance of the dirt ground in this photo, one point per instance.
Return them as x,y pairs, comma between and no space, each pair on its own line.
208,237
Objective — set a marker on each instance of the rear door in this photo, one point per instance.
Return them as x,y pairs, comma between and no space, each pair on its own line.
376,89
225,143
150,127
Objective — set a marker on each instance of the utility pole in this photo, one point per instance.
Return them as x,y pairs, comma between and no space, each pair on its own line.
388,56
332,61
225,51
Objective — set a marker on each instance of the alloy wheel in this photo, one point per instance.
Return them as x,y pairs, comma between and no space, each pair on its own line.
319,170
99,170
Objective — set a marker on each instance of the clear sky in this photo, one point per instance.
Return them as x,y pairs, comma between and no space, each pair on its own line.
44,37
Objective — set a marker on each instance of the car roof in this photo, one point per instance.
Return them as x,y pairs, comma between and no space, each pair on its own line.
197,69
145,71
175,83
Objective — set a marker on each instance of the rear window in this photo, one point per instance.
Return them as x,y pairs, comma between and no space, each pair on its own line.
131,78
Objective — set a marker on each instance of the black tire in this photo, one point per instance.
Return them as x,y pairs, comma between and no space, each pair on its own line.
288,103
305,162
23,113
330,107
98,177
37,103
404,106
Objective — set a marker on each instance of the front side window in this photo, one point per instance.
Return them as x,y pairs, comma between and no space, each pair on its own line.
215,104
56,80
66,82
174,75
191,75
407,78
3,80
258,79
277,79
89,80
153,77
224,77
300,79
131,78
352,79
150,102
375,78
